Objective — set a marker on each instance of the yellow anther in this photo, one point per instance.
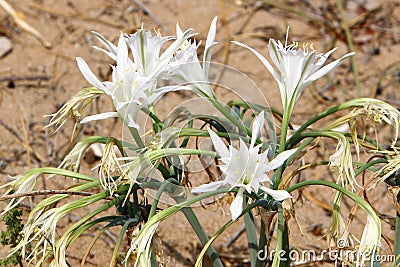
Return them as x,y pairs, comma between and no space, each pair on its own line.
312,46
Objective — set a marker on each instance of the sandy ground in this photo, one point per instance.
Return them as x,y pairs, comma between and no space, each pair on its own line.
36,81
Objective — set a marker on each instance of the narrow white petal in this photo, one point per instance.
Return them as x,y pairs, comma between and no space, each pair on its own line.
111,55
101,116
324,57
263,60
324,70
276,194
122,52
179,32
110,46
280,159
236,207
112,49
219,145
209,44
258,124
208,187
88,74
181,39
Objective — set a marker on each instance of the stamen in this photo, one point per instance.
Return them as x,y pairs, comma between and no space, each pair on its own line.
287,36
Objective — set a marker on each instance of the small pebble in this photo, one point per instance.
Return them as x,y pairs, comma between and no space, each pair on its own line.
5,46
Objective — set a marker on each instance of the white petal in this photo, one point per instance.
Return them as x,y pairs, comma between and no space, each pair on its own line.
111,55
258,124
181,38
324,70
122,53
280,159
88,74
208,187
101,116
236,207
179,32
276,194
110,46
263,60
112,49
219,145
324,57
209,44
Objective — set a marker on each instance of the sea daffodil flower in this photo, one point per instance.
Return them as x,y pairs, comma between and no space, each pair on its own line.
370,242
133,84
246,168
295,68
185,68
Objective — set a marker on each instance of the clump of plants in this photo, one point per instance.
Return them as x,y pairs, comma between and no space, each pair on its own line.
254,161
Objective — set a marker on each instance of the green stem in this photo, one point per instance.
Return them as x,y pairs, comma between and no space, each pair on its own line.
358,102
282,146
366,166
285,245
278,177
202,235
285,125
363,204
238,123
397,235
262,244
251,236
158,196
279,237
119,241
136,136
227,225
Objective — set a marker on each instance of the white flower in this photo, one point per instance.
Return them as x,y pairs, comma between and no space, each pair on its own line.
133,84
342,163
297,68
141,245
22,184
185,68
146,50
370,241
246,168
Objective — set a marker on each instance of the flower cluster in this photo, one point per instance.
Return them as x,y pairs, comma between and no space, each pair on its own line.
238,139
246,168
134,82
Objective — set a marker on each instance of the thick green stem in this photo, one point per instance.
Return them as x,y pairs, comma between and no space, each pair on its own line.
158,196
136,136
201,234
285,125
251,237
285,245
262,244
238,123
282,146
279,237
